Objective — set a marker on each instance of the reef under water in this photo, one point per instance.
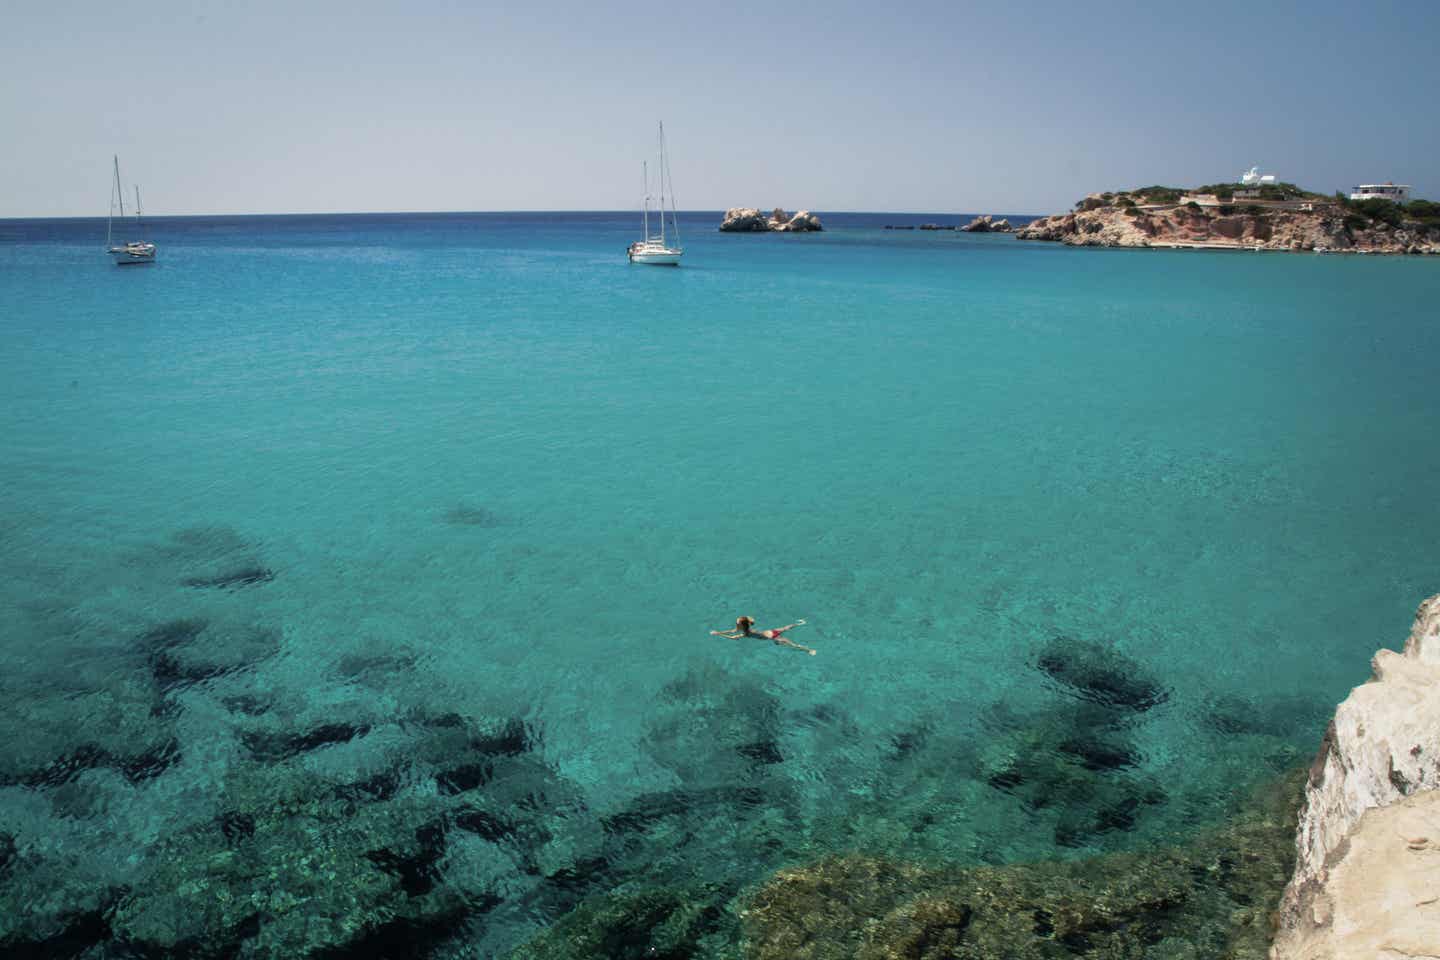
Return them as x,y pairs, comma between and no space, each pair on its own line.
353,809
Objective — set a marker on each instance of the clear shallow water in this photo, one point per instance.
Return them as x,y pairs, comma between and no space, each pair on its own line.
481,468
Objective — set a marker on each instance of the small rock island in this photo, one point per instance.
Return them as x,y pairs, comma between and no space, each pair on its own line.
751,220
1271,216
987,224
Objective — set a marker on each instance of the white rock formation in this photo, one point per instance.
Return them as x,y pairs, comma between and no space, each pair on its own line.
744,220
751,220
804,221
985,223
1354,891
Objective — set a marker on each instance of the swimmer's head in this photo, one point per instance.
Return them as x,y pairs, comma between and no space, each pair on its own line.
743,624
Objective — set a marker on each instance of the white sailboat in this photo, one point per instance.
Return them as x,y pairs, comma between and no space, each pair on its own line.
133,251
657,250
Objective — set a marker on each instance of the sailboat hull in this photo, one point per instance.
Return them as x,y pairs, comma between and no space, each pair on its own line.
133,253
661,257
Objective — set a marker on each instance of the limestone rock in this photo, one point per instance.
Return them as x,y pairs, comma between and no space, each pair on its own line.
744,220
1382,749
1380,897
1100,222
802,222
751,220
987,224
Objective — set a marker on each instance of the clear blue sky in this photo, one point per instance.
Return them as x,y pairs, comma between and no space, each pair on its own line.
1018,107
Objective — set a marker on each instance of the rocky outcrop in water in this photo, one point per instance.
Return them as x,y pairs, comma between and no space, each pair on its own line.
987,224
1368,844
1098,222
751,220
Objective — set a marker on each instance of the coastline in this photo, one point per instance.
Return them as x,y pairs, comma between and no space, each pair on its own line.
1296,226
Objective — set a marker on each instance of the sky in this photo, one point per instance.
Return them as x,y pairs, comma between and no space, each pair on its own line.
943,107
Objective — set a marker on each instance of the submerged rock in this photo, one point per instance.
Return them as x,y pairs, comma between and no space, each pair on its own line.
185,651
1212,895
648,924
1100,674
712,727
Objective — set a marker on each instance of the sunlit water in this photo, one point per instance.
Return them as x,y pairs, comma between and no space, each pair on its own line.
311,494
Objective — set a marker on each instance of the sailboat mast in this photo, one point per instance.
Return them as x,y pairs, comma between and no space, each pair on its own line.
118,189
662,183
645,171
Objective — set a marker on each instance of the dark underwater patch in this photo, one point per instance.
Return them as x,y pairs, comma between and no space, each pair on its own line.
136,768
245,575
81,931
382,786
172,633
151,763
237,827
651,807
1100,674
466,515
465,777
7,850
275,747
415,867
411,938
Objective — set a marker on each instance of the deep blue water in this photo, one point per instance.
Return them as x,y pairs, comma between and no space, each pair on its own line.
432,514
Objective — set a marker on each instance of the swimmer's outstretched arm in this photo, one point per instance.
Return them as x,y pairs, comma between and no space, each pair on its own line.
727,634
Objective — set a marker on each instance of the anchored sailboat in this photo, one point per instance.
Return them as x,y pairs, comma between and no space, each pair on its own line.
134,251
657,249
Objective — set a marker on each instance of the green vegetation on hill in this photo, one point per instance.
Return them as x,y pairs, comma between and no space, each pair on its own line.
1158,193
1363,213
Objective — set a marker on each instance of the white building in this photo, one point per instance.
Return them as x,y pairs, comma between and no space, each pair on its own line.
1252,178
1395,192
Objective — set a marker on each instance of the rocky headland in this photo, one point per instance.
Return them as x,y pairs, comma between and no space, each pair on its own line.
1367,873
752,220
1302,222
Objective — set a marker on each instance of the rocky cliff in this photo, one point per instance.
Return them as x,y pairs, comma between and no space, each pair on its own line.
751,220
1097,222
1367,874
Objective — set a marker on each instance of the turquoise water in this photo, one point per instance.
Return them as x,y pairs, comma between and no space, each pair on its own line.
484,475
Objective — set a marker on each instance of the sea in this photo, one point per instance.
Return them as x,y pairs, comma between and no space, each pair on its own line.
361,573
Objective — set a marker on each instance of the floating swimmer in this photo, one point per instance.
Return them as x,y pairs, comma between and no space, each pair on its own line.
743,628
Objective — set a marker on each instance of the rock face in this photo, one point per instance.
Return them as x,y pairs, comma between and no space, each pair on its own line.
987,224
751,220
1365,876
1097,222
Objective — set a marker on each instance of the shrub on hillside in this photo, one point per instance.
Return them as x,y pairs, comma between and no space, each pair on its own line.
1382,211
1425,211
1159,194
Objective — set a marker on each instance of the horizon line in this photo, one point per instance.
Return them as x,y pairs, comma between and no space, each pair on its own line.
403,213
